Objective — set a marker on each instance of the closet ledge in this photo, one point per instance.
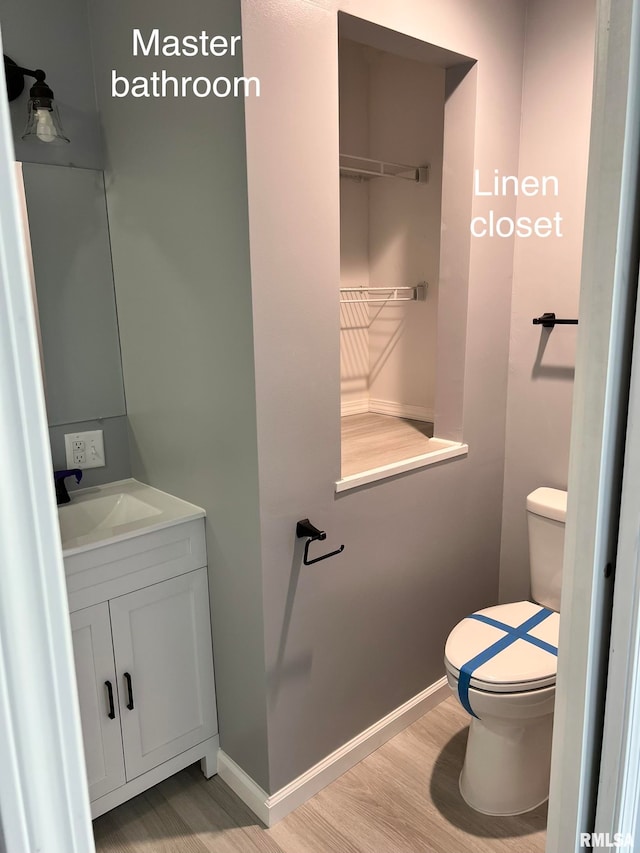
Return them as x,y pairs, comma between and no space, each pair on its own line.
447,450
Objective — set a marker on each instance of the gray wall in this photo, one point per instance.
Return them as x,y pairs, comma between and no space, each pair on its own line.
349,640
176,189
546,274
54,36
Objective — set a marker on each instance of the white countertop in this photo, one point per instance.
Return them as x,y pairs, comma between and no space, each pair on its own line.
101,515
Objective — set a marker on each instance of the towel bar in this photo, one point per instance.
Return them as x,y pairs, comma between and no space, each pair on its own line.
549,320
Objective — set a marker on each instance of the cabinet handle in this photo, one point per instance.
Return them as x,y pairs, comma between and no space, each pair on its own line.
112,710
129,690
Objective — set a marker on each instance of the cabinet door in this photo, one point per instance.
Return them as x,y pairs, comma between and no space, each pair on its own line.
162,644
93,653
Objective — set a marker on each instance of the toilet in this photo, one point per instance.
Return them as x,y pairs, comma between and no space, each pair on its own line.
501,665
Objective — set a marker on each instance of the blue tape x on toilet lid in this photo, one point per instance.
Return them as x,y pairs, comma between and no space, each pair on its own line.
521,665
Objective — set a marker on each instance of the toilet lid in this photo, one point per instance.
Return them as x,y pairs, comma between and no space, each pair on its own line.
508,648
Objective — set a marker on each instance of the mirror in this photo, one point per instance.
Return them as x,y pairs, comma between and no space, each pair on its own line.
69,236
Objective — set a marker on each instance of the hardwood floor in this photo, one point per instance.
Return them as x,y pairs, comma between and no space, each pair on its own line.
403,798
370,441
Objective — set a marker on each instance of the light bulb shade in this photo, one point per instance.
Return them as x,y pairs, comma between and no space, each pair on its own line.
43,120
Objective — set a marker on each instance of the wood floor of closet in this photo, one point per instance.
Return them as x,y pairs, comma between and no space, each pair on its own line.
403,798
370,441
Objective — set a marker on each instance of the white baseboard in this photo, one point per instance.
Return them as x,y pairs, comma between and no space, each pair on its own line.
385,407
354,407
400,410
272,808
243,785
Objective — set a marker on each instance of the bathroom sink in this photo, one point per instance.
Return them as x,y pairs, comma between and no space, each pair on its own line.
104,514
101,513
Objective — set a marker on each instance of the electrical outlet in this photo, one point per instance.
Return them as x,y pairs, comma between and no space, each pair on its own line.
79,455
85,449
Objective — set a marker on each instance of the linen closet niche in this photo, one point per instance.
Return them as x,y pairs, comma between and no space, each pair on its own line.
391,146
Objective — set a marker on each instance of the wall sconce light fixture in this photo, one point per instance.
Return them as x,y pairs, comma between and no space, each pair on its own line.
43,118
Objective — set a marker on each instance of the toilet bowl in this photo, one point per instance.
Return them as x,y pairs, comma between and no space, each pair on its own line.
506,681
501,664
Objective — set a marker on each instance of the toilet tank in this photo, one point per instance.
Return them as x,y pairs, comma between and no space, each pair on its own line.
546,514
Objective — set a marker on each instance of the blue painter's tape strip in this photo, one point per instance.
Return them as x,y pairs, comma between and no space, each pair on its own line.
512,634
536,641
467,669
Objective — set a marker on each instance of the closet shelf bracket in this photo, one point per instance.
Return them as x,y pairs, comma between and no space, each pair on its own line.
415,293
364,168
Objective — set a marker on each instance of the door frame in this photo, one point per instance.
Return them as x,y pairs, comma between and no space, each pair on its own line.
44,801
618,804
599,422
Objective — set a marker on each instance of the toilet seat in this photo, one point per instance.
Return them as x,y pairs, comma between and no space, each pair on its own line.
504,660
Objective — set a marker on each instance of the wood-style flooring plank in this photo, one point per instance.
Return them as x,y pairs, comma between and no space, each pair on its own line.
370,441
310,830
147,826
403,798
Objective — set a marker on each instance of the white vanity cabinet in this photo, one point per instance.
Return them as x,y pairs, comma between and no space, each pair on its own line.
142,645
96,677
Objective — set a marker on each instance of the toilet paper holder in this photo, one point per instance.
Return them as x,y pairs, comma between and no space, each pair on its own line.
304,528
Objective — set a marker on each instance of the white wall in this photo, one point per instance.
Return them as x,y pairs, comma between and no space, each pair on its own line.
392,109
554,140
350,639
354,228
406,126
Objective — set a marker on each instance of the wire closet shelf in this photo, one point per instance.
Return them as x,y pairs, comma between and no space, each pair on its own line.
417,293
364,168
